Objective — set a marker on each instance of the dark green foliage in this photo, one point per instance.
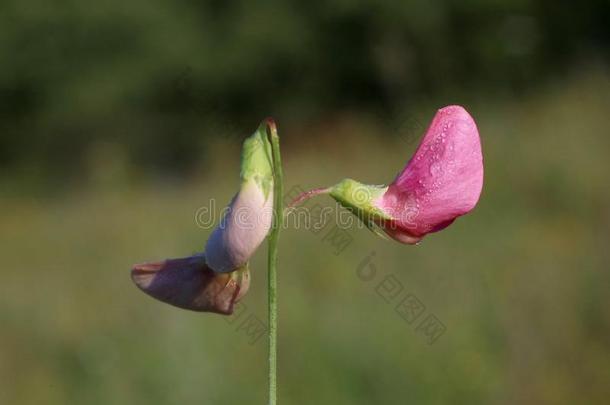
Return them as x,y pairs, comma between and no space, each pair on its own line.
158,78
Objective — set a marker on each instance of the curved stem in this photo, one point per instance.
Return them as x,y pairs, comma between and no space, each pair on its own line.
309,194
272,256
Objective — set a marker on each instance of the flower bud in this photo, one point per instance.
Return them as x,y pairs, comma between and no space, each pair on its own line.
248,218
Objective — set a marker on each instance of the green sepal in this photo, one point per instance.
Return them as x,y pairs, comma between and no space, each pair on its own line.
359,199
256,160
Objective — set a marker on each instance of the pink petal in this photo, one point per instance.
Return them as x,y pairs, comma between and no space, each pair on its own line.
189,283
441,182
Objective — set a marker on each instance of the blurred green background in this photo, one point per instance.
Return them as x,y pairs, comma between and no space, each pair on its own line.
118,120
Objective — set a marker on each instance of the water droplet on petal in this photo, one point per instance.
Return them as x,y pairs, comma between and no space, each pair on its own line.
435,169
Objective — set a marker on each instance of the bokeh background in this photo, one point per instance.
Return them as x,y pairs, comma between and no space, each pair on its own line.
119,119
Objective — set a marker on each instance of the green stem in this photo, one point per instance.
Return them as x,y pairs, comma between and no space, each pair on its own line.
309,194
272,257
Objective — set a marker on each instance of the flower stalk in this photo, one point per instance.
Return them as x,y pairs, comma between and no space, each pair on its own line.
272,257
301,198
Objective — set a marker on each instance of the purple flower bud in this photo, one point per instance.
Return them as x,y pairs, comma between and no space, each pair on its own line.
248,219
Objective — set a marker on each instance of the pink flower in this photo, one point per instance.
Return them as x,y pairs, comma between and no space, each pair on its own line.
215,280
441,182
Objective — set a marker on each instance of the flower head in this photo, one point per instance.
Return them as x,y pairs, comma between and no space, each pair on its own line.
215,280
441,182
